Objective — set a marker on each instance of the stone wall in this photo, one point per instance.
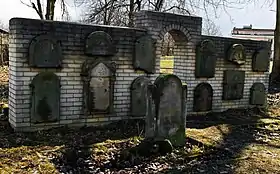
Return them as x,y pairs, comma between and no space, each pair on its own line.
186,31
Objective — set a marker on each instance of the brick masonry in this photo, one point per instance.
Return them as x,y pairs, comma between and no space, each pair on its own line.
186,31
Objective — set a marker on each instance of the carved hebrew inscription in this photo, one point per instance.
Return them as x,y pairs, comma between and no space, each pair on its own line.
236,54
233,86
45,52
203,95
205,59
98,80
144,55
45,98
99,43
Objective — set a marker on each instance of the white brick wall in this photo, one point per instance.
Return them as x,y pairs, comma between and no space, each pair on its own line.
73,36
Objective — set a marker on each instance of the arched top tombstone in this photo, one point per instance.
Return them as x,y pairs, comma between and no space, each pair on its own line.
205,59
260,61
144,54
45,97
258,94
236,54
258,87
99,43
203,95
45,52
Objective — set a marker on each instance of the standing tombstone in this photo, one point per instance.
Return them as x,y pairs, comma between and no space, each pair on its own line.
144,55
236,54
170,109
233,86
45,102
139,96
260,61
98,78
45,52
203,95
99,43
205,60
257,94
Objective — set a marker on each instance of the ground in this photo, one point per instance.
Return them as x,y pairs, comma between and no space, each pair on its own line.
235,141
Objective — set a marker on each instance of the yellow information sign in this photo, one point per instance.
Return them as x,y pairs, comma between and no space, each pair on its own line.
167,64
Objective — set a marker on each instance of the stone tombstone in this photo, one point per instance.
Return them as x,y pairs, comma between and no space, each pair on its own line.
98,78
45,52
257,94
205,59
170,106
45,103
144,54
150,120
233,85
99,43
260,61
203,95
236,54
139,96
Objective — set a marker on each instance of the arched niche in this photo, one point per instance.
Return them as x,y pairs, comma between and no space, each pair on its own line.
45,52
237,54
205,59
203,96
45,98
99,43
98,86
139,96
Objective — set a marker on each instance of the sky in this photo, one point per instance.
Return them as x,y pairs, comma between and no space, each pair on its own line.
260,16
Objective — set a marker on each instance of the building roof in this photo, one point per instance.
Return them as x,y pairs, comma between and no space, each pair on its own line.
3,31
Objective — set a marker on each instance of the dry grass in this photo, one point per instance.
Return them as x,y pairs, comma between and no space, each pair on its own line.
4,74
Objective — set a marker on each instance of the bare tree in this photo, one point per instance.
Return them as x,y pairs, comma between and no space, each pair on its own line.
38,6
210,28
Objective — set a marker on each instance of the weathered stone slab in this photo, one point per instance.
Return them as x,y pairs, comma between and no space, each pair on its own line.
233,86
45,52
99,43
236,54
203,95
45,98
144,55
139,96
257,94
260,61
98,78
205,59
170,109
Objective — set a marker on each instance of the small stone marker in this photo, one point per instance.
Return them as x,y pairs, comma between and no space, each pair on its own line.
233,85
203,95
257,94
45,98
260,60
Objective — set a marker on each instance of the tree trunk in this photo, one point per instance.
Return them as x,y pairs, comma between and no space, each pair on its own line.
130,14
276,58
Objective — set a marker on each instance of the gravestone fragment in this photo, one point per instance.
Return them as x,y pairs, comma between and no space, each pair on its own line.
99,43
170,109
98,86
203,95
236,54
45,105
257,94
205,59
45,52
144,54
233,85
260,61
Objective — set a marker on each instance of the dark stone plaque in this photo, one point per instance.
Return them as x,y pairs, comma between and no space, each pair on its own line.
233,85
144,55
258,94
45,52
205,59
99,43
139,96
98,78
150,120
170,109
45,98
203,95
260,60
236,54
